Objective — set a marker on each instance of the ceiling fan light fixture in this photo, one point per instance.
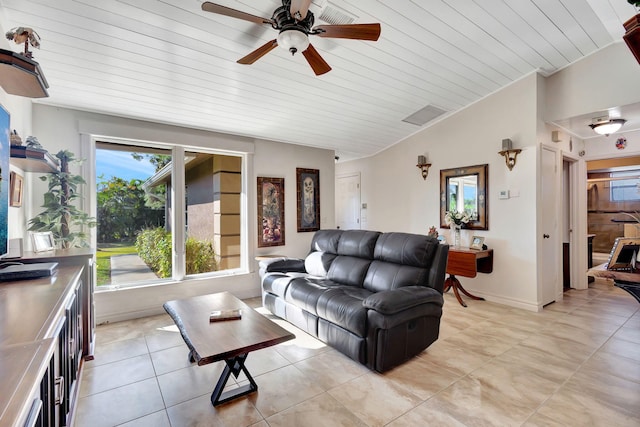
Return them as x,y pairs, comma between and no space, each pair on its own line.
608,126
293,40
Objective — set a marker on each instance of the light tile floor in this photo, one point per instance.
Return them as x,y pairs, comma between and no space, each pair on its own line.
575,364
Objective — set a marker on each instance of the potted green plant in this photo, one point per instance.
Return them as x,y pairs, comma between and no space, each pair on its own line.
60,215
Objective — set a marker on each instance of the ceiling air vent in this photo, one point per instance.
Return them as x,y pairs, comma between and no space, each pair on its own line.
331,14
424,115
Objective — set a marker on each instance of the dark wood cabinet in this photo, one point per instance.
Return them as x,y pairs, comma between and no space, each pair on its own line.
82,257
42,347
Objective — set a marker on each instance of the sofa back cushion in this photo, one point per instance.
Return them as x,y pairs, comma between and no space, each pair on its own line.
358,243
384,276
401,259
349,270
355,253
318,263
326,241
407,249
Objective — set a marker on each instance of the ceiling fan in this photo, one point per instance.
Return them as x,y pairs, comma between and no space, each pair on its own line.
294,21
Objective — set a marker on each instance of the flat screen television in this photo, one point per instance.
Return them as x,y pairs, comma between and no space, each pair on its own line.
5,152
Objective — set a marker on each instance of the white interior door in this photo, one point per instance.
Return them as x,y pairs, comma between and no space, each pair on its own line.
551,241
348,202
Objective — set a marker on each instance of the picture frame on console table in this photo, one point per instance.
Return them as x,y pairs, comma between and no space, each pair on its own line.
476,243
308,199
270,212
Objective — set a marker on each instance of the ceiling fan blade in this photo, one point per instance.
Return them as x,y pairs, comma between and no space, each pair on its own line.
314,59
349,31
258,53
299,9
227,11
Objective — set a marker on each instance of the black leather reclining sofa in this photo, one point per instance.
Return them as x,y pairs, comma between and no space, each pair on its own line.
376,297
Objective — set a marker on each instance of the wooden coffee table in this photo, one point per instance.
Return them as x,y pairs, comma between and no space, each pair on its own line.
228,340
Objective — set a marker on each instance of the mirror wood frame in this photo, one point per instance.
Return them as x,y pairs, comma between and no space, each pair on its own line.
482,172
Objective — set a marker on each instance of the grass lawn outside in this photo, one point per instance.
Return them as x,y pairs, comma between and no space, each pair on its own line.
103,259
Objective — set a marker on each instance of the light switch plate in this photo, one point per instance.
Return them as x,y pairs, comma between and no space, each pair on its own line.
504,194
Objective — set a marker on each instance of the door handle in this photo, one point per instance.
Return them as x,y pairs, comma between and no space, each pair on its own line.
545,236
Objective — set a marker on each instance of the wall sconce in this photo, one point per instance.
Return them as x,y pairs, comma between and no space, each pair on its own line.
424,166
510,154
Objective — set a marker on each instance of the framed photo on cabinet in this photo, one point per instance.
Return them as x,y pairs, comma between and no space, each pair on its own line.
43,242
16,185
270,212
308,199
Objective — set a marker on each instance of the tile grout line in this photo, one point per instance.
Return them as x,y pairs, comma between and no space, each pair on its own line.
560,386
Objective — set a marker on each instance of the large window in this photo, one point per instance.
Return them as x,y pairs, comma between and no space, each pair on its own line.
143,235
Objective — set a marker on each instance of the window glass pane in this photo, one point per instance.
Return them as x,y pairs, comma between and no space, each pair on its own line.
133,232
624,190
213,189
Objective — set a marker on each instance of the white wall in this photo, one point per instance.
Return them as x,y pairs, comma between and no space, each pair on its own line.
605,146
20,110
399,199
59,128
604,79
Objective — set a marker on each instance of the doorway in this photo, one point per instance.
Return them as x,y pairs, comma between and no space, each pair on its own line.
549,272
348,201
613,199
570,228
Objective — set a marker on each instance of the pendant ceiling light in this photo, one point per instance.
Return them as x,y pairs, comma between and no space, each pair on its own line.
607,126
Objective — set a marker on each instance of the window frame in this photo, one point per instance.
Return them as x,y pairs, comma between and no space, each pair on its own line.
178,193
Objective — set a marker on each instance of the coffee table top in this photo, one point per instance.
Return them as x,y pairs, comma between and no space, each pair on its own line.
213,341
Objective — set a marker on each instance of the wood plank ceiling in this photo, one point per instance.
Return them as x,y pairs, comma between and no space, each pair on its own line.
168,61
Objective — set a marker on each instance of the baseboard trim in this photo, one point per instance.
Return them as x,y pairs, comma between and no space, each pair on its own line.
511,302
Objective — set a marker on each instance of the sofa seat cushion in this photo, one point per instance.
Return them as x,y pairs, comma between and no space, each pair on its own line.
342,305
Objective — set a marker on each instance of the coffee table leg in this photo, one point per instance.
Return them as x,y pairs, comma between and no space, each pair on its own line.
233,366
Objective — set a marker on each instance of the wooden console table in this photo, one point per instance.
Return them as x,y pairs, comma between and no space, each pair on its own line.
467,263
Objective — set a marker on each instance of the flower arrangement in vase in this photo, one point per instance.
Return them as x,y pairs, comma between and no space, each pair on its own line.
455,221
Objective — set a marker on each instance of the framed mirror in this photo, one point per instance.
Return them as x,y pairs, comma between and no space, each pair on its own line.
465,190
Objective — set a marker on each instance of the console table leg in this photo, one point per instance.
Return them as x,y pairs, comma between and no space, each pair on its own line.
464,291
453,282
233,366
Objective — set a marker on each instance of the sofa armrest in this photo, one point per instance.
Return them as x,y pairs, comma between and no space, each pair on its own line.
282,265
397,300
